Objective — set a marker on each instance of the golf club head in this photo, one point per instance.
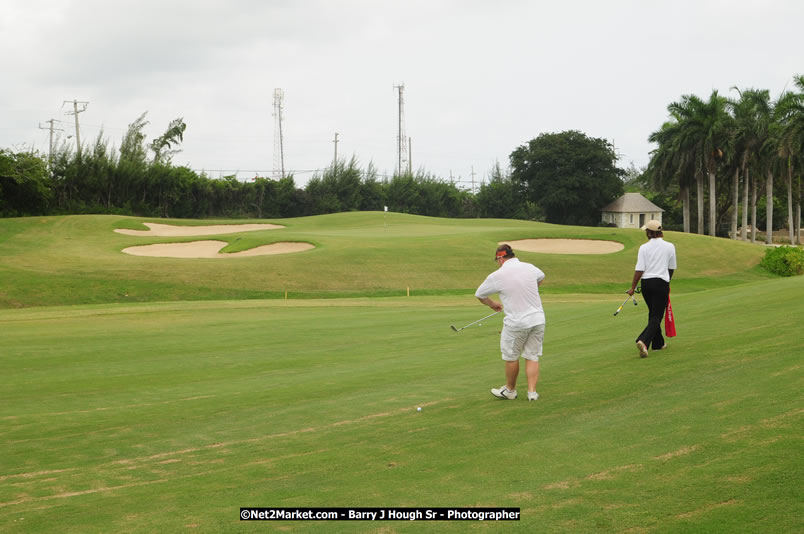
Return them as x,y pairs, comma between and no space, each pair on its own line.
453,327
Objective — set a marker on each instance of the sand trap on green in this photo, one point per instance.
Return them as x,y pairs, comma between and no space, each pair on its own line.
167,230
211,249
566,246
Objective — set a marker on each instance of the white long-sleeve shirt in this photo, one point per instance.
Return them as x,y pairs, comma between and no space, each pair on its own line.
517,283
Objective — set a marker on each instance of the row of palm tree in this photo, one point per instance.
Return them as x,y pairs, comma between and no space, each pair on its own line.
727,143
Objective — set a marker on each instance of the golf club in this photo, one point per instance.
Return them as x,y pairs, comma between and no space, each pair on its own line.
637,290
623,304
475,322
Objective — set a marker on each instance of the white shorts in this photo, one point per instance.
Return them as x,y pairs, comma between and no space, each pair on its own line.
526,343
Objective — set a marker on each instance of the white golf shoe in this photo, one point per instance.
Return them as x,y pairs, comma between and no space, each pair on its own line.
532,395
503,393
643,349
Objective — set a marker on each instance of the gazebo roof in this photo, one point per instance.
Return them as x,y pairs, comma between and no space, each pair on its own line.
632,203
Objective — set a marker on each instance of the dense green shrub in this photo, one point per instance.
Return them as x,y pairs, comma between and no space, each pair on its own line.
24,188
784,261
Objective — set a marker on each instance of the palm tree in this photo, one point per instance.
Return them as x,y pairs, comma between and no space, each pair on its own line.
735,191
673,162
772,162
679,135
687,145
779,152
752,114
796,130
791,148
716,144
706,134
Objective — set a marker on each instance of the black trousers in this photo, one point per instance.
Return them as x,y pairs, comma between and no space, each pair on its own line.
655,291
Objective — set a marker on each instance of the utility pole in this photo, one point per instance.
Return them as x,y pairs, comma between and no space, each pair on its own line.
335,160
279,148
50,146
75,112
473,179
410,157
401,137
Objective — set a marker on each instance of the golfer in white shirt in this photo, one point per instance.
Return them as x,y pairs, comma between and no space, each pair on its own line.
517,284
656,262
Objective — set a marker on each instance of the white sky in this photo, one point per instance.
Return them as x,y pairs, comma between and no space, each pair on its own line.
481,77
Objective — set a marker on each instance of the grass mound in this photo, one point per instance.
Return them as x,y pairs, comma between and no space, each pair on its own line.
78,260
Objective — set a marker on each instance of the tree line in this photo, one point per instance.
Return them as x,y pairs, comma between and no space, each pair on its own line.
733,152
98,181
140,179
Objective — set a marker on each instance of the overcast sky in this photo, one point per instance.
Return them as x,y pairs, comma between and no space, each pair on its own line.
481,77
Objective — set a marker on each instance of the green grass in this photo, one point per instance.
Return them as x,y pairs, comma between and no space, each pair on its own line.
204,390
169,417
77,260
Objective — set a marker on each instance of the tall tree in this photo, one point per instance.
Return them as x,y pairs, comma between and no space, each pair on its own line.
705,132
501,197
683,143
791,148
133,146
163,145
673,162
772,160
568,175
752,118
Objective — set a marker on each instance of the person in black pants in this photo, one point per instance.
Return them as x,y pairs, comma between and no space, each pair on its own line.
656,263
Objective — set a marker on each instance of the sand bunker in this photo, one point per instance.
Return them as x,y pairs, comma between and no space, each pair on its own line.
566,246
211,249
167,230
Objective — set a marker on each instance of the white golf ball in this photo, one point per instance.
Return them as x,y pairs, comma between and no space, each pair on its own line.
419,409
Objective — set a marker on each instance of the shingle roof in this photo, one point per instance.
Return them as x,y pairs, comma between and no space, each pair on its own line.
632,203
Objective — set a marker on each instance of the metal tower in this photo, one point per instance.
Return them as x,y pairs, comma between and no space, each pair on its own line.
279,148
401,139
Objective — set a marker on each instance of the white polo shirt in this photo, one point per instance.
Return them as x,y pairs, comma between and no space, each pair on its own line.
517,283
655,258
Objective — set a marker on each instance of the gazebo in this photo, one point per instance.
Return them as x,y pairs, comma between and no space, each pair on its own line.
631,210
